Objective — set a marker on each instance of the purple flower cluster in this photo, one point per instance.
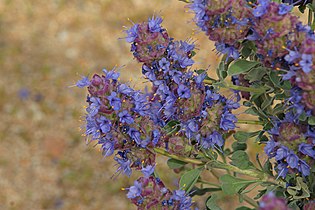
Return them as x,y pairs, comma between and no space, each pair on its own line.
302,75
179,95
271,202
150,192
225,22
271,25
117,117
292,145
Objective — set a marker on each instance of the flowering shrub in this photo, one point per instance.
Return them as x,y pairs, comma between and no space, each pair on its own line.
267,56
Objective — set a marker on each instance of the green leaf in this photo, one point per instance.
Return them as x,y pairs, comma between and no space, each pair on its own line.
268,167
311,120
221,72
239,146
189,179
242,136
232,185
211,202
201,191
241,160
174,164
241,66
256,74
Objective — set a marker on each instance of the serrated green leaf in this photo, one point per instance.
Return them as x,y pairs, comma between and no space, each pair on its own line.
211,202
189,179
241,66
174,164
300,190
241,160
232,185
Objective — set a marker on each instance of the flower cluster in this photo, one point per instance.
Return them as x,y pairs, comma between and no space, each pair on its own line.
179,95
271,25
119,118
150,192
292,145
271,202
225,22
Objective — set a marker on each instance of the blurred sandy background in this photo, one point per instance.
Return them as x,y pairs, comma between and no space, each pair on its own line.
45,46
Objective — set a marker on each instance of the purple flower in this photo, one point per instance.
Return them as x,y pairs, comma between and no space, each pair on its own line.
164,64
124,89
306,63
293,55
83,82
114,101
111,74
132,33
92,128
176,76
148,170
217,139
199,78
155,24
284,9
228,121
261,9
125,117
94,106
281,153
124,165
135,190
232,104
185,62
307,149
105,124
304,168
292,160
108,147
185,202
282,169
228,50
192,126
155,136
271,202
183,91
135,135
269,148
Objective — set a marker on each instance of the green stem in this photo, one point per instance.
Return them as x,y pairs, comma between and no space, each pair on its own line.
250,201
250,122
184,159
253,173
235,87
